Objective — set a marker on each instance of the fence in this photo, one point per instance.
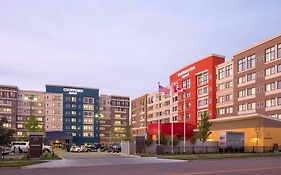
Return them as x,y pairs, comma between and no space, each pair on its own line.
196,149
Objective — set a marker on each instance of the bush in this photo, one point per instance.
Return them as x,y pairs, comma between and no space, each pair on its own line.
50,156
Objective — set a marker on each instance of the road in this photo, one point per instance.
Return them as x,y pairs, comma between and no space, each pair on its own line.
141,166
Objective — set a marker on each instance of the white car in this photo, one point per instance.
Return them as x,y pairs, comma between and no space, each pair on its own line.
75,149
24,147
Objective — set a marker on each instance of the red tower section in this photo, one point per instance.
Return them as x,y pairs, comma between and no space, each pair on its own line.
199,81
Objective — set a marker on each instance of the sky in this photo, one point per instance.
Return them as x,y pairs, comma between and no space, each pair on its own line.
123,47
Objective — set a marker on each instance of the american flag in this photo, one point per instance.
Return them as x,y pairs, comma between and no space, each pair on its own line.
164,89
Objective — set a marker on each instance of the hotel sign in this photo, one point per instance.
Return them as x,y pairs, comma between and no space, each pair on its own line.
185,73
72,90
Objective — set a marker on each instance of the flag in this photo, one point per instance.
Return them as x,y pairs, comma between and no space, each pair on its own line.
164,89
178,89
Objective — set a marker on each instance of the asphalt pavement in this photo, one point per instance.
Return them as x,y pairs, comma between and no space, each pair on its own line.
140,166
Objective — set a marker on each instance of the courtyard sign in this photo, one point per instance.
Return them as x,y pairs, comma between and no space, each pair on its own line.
72,90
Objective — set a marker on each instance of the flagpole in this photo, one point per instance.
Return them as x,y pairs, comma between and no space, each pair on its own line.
159,93
172,128
184,107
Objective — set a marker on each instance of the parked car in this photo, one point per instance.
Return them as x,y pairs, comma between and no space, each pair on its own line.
104,148
4,150
94,147
114,147
75,149
24,147
84,148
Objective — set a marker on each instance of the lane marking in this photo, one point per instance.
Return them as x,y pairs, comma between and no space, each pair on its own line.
227,171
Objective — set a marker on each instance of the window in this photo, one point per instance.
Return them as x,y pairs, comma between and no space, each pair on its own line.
251,76
251,91
251,106
229,110
221,73
228,71
251,61
242,79
278,68
221,99
279,51
222,111
242,93
270,54
228,97
270,71
270,102
242,107
186,83
270,87
19,126
202,78
278,84
202,91
221,86
202,102
73,99
241,65
279,101
228,84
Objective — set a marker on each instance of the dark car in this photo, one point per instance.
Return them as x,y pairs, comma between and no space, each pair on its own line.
114,147
94,147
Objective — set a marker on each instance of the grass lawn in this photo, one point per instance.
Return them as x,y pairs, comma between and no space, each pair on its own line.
218,156
19,163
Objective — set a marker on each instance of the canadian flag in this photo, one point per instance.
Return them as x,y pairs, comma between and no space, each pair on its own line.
177,89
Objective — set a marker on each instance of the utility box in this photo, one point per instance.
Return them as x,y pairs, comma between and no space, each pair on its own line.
232,139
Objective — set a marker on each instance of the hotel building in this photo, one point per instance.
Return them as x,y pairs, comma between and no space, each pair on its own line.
80,112
114,116
158,105
139,116
8,105
199,80
46,107
257,79
120,110
105,121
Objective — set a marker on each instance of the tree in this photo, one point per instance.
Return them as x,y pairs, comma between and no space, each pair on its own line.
113,136
32,125
128,134
204,126
6,134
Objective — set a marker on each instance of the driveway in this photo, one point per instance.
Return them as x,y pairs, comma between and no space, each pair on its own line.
99,159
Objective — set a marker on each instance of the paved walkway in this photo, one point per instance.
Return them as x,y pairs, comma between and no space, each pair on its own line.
101,162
